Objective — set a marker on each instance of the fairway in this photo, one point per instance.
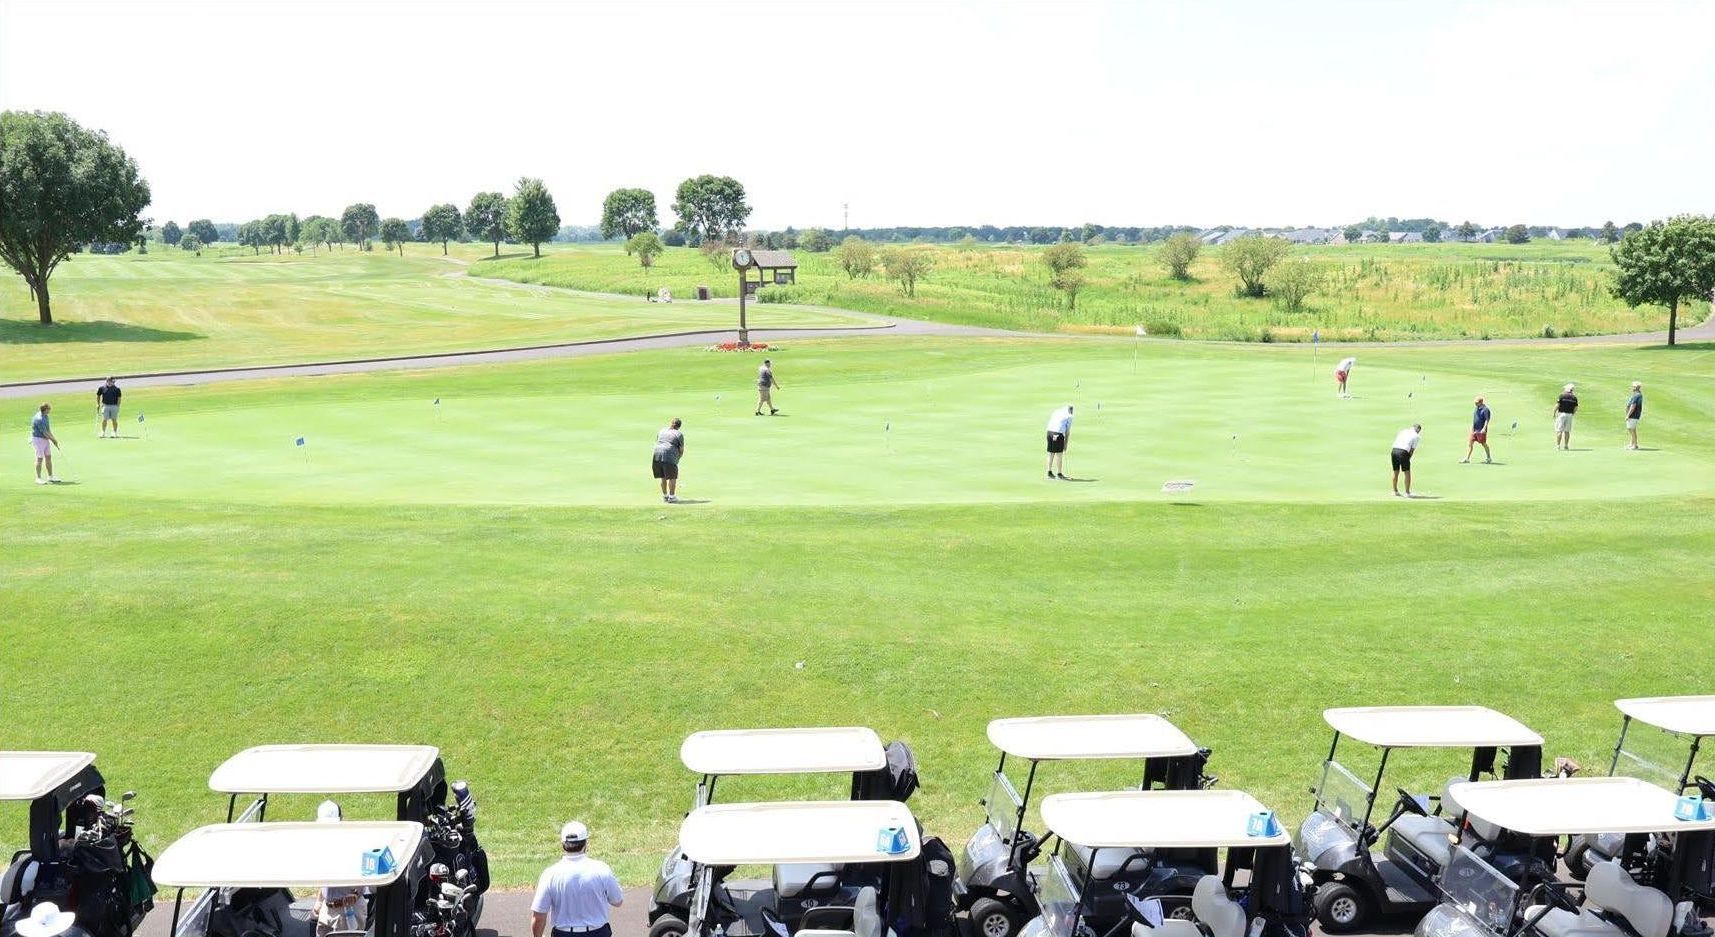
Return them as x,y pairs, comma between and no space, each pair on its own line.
500,579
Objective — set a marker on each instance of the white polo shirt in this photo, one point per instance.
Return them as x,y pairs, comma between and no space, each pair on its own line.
1060,421
576,892
1407,440
1346,365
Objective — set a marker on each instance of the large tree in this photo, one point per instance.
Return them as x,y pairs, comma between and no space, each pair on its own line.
1249,258
530,214
856,256
170,233
204,230
627,212
1066,264
1292,282
443,223
486,218
1177,254
907,265
359,222
711,208
1665,264
319,229
394,233
61,186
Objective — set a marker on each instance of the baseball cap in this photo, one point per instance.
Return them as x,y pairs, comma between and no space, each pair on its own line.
328,812
574,832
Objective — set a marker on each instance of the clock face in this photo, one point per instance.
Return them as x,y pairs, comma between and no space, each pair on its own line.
741,258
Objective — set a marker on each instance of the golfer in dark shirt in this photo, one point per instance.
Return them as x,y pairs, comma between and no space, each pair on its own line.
1564,406
1479,433
664,465
107,404
1634,412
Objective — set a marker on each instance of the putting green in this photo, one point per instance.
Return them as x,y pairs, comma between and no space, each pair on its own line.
909,422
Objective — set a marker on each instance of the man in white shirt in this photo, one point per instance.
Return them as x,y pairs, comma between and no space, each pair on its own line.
1059,431
573,895
1343,373
1404,446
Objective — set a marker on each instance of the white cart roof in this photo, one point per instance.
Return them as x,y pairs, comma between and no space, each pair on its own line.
783,751
1687,715
285,855
1561,806
796,831
29,775
1430,726
1043,738
323,769
1157,819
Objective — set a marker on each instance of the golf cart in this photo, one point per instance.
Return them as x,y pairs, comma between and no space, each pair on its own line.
1481,900
1141,835
1355,883
412,772
877,773
1681,723
994,870
868,875
81,856
250,872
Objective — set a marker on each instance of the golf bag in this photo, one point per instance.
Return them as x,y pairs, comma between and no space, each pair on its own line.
897,780
1276,896
920,892
252,912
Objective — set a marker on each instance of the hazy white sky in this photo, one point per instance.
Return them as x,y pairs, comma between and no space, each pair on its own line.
913,111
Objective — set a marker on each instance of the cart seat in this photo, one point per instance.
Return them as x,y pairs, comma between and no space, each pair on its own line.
1172,927
1559,922
1648,911
1428,834
791,879
1108,861
1217,912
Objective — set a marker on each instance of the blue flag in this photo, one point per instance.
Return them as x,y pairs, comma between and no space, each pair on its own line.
300,440
1316,337
437,401
139,417
887,427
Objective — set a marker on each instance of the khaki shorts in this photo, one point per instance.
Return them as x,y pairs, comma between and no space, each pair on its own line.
1632,424
765,394
1563,422
110,411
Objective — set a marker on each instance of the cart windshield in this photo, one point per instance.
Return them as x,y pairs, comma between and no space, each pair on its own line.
1474,887
1650,754
1342,795
1058,900
1003,806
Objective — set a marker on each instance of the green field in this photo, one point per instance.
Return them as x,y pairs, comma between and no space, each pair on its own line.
499,578
1374,292
168,310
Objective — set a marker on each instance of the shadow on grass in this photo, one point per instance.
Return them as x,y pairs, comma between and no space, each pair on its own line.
1682,346
508,255
20,332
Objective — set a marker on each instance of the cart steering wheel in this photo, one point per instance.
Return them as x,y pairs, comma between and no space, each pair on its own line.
1705,787
1410,803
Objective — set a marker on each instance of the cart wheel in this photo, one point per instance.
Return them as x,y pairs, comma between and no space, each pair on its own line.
1575,859
667,926
1176,908
993,918
1341,908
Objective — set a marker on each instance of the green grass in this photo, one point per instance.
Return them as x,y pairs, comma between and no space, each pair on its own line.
503,584
169,310
1374,292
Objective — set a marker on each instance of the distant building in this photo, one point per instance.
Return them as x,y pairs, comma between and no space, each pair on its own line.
1555,234
1405,237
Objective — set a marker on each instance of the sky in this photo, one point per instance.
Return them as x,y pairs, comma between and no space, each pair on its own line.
910,112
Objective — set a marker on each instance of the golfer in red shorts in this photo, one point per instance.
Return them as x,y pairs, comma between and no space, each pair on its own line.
1479,434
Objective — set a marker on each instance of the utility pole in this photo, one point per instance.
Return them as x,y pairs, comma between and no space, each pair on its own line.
845,216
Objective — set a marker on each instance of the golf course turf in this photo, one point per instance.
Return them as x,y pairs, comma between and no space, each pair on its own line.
497,576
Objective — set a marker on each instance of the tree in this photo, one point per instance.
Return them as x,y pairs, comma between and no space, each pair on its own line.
1178,253
394,233
359,222
815,240
1292,282
673,237
1249,258
647,246
1518,234
1352,233
61,186
170,233
1665,264
252,234
486,218
443,223
530,214
907,265
627,212
1468,231
1610,234
204,230
710,207
191,242
856,256
1065,264
1432,233
319,229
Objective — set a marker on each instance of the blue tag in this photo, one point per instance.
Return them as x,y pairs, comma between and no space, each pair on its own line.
378,861
1262,823
1691,807
892,841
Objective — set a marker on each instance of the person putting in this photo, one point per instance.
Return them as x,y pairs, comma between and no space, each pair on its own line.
1342,374
1564,407
1404,447
574,895
669,449
765,384
41,437
1479,433
1059,433
1634,413
107,404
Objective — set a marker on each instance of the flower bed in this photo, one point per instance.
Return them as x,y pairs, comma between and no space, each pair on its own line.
735,346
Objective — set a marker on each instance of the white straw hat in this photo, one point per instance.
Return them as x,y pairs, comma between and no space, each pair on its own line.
46,920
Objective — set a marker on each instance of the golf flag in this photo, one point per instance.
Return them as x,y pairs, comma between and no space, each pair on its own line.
139,417
887,427
437,401
300,440
1141,331
1316,336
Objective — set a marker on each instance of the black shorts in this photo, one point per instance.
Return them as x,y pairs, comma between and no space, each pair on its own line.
662,469
1402,460
1056,442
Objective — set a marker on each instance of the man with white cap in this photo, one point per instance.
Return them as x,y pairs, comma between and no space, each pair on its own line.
47,920
573,895
1564,407
338,909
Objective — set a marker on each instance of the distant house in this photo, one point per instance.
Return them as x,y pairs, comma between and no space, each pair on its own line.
1555,234
1310,235
1489,236
1405,237
1374,237
1213,235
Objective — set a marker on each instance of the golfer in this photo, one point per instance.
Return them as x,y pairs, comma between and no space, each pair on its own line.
574,894
1564,407
1059,432
338,908
1634,412
765,384
1343,373
41,436
1404,447
669,449
1479,434
107,404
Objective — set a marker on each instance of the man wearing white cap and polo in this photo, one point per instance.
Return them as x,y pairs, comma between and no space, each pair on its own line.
573,895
